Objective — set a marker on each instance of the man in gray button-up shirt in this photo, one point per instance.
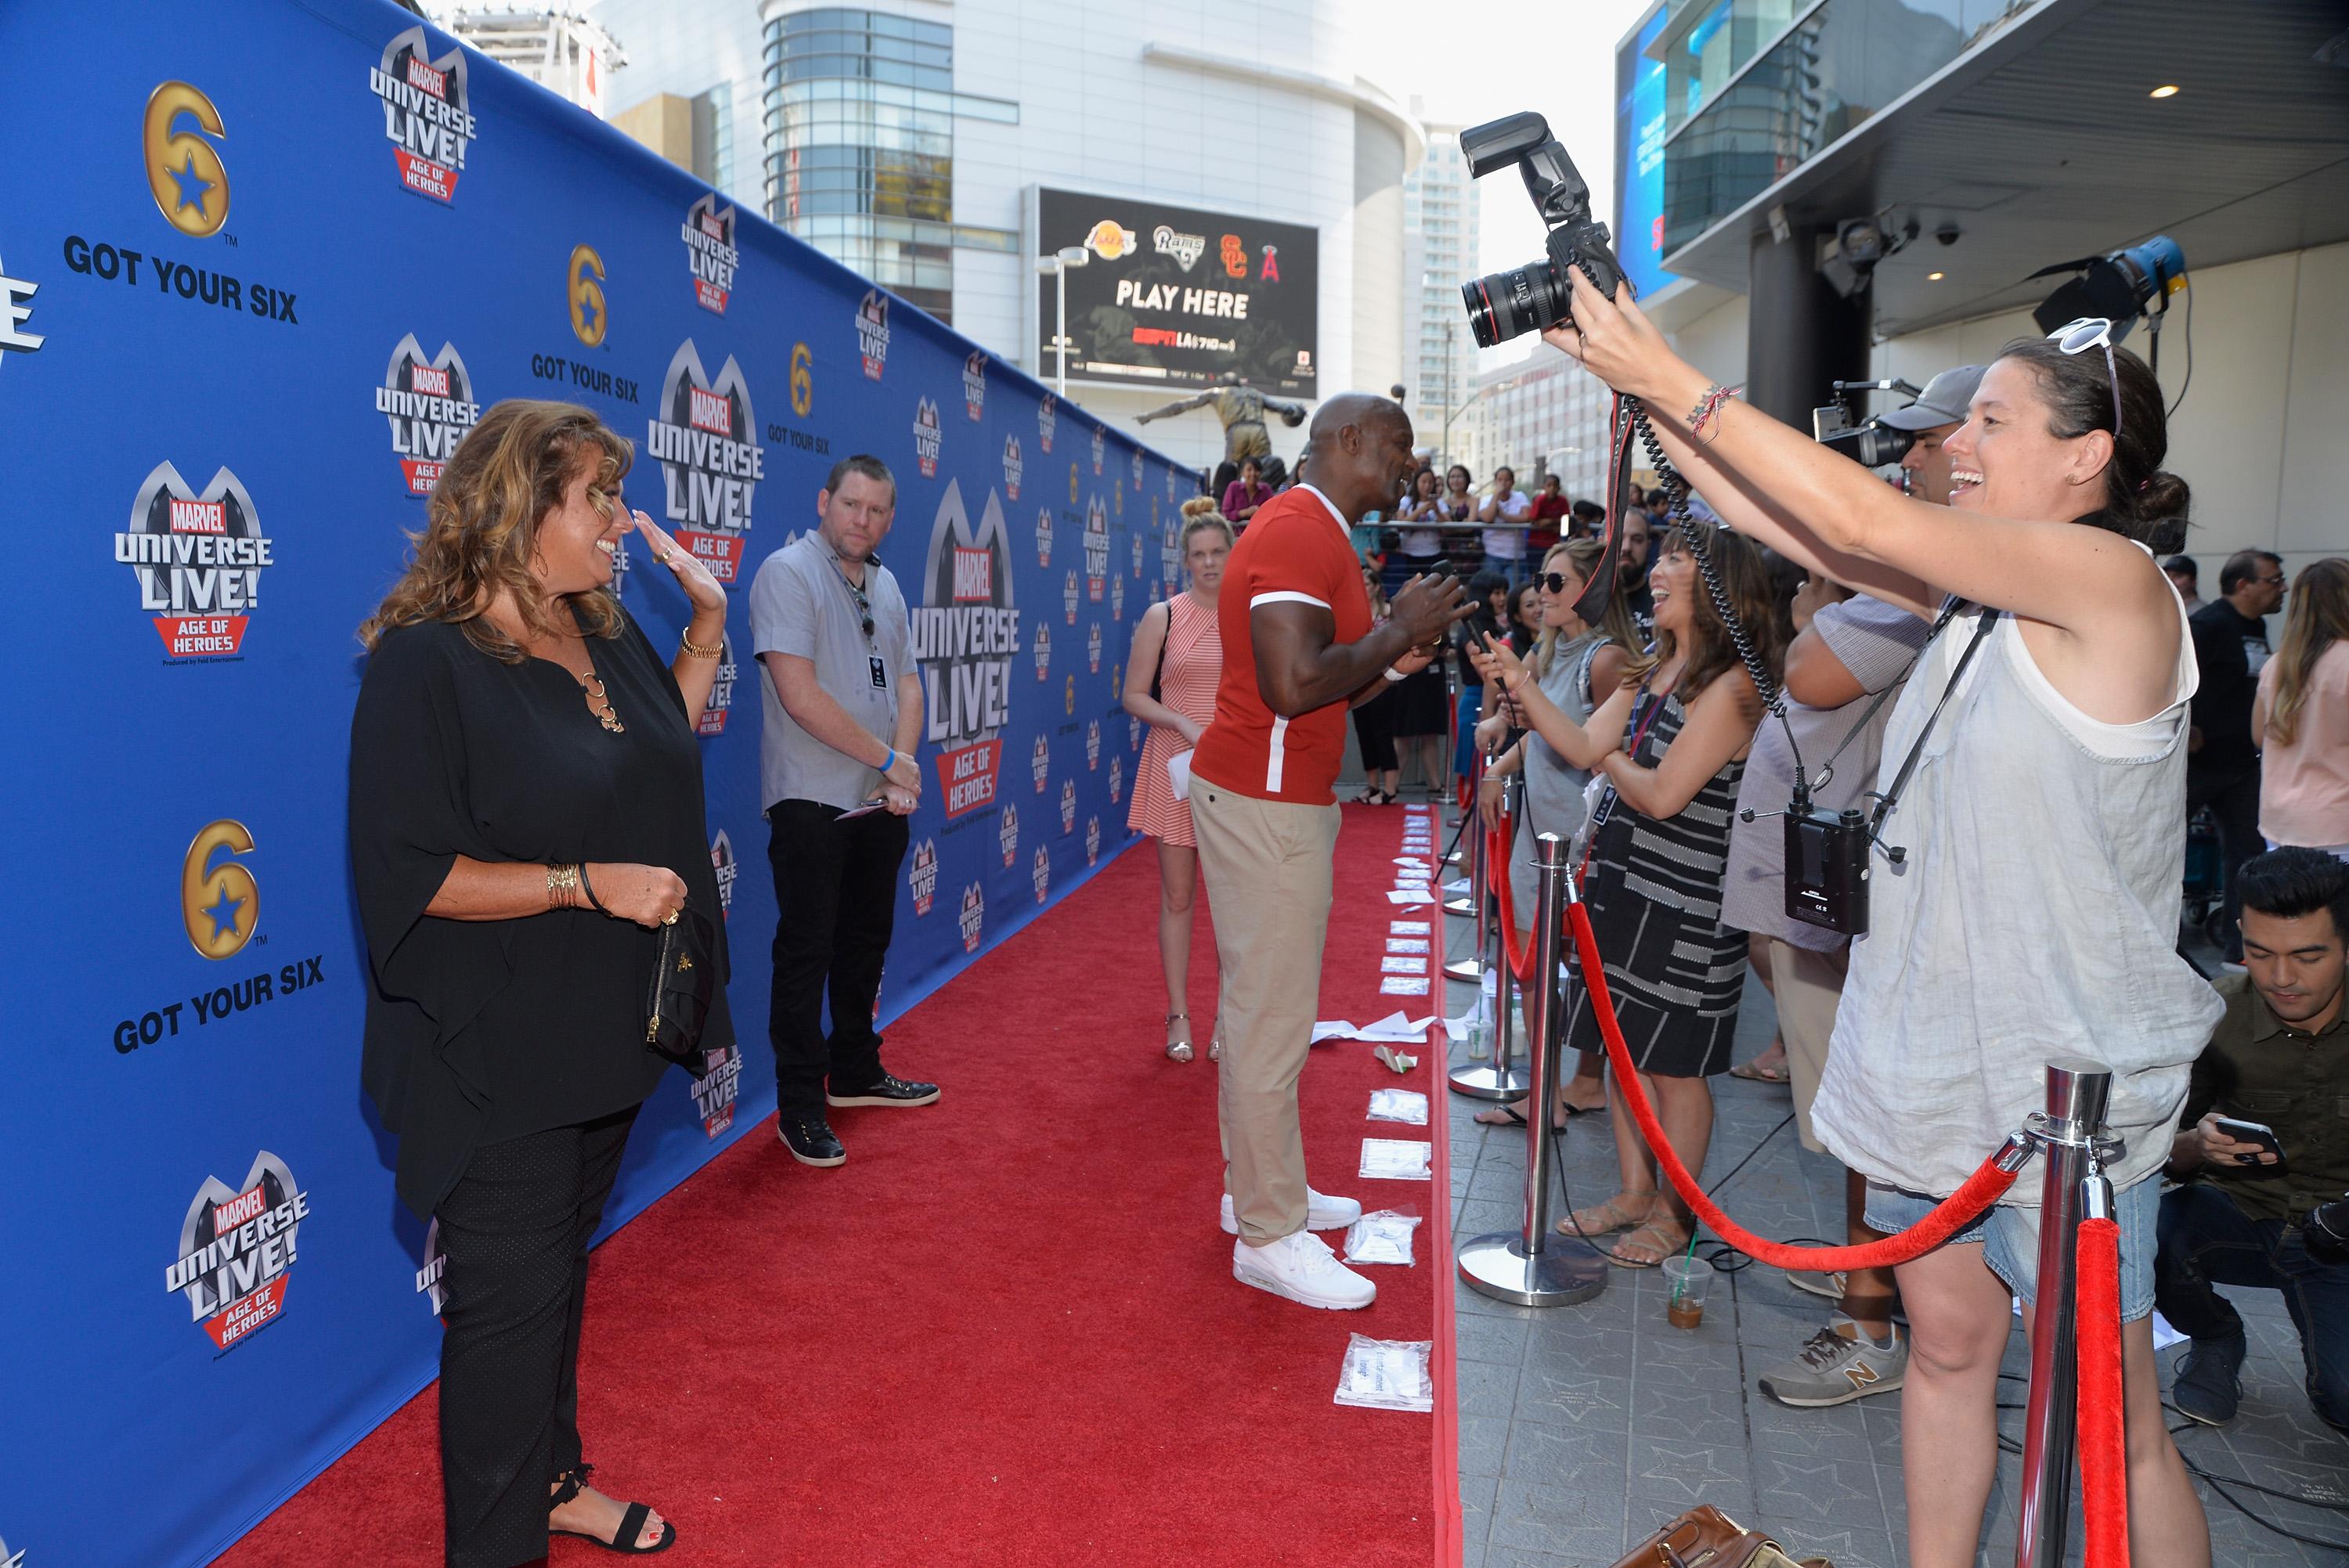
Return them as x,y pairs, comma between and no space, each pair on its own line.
841,705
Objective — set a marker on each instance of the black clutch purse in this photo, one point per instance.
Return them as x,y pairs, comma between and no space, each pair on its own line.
685,975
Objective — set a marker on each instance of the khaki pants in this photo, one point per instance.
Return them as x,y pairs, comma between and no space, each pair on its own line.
1807,987
1268,868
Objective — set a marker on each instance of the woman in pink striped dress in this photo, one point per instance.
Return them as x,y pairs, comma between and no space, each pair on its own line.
1170,681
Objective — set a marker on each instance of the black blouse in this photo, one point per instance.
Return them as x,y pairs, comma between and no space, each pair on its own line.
482,1030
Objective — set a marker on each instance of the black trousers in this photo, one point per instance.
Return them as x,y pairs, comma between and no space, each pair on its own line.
2234,800
2206,1240
515,1230
836,892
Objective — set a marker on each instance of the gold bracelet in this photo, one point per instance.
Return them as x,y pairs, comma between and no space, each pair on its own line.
694,650
562,886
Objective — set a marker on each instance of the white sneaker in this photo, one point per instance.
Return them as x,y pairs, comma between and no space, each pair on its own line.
1302,1267
1322,1212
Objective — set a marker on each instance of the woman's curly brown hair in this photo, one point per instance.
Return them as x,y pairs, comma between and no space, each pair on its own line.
480,526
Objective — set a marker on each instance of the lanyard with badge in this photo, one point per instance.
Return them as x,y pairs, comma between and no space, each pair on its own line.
878,668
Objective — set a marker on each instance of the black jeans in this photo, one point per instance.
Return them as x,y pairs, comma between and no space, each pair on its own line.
2206,1240
515,1230
836,892
2233,798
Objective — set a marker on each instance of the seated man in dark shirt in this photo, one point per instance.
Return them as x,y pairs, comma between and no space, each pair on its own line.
2279,1057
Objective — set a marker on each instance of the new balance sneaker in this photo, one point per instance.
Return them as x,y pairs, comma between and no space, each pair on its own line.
1839,1365
1322,1212
2208,1384
890,1091
1302,1268
1818,1281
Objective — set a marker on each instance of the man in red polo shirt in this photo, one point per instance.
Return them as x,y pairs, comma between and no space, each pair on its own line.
1300,648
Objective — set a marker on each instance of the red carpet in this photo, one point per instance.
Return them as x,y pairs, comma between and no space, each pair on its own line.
1005,1332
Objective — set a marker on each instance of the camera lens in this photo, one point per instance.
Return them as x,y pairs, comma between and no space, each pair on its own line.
1503,305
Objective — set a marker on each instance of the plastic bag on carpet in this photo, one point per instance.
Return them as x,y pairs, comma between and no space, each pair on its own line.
1380,1238
1386,1374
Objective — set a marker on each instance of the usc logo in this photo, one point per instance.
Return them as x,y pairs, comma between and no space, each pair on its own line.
1235,256
184,172
220,903
586,294
803,380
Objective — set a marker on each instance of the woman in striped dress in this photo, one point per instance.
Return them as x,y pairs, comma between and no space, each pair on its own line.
1672,744
1170,683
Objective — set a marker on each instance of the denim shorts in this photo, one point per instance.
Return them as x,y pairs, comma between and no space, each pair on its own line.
2009,1238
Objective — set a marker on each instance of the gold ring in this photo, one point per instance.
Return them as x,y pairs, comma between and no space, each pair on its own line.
671,918
668,558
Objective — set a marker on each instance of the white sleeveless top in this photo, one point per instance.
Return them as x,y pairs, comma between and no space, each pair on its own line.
2035,918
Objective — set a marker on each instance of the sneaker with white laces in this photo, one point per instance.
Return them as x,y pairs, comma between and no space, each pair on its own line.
1322,1212
1839,1365
1301,1267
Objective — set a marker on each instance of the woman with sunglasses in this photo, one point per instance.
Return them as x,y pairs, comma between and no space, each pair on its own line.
2034,915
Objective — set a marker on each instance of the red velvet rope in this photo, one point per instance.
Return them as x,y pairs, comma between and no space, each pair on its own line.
1981,1189
1496,872
2104,1446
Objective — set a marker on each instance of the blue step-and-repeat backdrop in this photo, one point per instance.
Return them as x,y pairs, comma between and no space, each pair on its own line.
262,265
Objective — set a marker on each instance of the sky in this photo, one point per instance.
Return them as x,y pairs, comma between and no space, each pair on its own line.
1492,59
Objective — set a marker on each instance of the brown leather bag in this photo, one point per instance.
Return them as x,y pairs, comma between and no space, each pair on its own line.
1705,1537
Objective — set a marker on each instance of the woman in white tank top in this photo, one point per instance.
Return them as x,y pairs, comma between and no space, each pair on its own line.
2035,915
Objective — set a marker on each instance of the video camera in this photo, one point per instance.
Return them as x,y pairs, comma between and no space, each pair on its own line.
1871,445
1503,305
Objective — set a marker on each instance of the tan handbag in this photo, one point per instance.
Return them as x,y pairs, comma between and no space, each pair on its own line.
1705,1537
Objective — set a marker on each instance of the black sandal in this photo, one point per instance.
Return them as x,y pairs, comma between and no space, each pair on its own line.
632,1522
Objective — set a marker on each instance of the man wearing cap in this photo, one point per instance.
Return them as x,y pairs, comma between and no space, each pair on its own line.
1843,673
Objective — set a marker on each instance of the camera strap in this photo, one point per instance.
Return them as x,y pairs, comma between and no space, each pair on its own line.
1887,799
1868,716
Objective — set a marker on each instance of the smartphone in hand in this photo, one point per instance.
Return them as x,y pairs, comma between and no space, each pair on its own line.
2257,1132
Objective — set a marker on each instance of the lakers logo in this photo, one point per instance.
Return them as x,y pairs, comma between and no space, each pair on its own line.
219,900
184,172
587,290
803,380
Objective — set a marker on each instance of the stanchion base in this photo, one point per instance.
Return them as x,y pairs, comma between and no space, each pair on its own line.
1469,969
1460,906
1483,1081
1565,1273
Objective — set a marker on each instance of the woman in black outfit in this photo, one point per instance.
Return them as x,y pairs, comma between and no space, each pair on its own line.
1490,591
525,815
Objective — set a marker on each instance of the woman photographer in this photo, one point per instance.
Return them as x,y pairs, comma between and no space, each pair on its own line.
526,817
2004,938
1671,740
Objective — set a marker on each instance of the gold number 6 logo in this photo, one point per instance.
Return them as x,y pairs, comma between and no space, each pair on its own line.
587,319
184,172
803,380
220,903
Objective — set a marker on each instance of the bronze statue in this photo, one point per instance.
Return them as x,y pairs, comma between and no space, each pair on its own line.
1241,408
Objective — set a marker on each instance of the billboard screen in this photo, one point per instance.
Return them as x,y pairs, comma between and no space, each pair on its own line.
1173,296
1639,157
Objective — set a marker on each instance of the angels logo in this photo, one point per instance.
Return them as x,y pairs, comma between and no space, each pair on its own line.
718,1088
1013,467
1097,451
236,1249
1092,744
974,386
1039,871
1068,599
1093,840
1117,598
1006,835
966,632
430,1279
198,560
1093,649
873,332
711,256
1040,759
725,867
1043,652
973,917
922,875
712,719
926,438
1043,536
1116,779
431,406
1047,418
704,433
1096,549
426,113
1068,806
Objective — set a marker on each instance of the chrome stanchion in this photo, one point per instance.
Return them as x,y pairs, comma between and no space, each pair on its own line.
2070,1134
1534,1266
1502,1079
1479,904
1472,903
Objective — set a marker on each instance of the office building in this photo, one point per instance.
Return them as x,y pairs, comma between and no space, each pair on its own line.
1440,239
1542,414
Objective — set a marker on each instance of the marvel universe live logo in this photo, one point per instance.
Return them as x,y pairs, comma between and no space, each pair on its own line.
1044,537
1043,651
425,115
1040,759
709,253
1047,419
974,388
1041,872
873,332
973,917
1096,549
922,875
236,1248
220,1002
710,465
715,1090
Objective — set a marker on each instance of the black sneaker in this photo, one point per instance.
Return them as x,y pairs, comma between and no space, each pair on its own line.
890,1091
2206,1388
811,1141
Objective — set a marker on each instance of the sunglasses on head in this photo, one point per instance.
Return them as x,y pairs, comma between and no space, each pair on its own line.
2093,332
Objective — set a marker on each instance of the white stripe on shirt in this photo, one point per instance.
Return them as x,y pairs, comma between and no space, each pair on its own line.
1286,596
1273,755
